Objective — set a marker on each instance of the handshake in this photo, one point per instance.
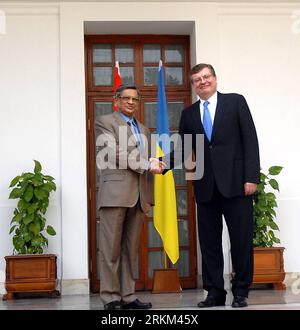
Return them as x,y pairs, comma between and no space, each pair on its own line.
156,166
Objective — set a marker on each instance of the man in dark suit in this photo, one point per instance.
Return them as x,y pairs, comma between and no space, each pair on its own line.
231,175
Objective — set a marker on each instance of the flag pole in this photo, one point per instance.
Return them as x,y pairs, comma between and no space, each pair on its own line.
165,211
165,260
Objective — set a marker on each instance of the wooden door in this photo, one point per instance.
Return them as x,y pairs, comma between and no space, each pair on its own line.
138,56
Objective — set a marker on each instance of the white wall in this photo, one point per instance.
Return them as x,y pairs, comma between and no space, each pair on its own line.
29,110
42,101
259,57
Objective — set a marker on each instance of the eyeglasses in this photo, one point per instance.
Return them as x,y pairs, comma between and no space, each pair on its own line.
128,98
202,78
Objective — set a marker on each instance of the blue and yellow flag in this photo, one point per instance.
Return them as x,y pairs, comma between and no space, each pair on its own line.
165,213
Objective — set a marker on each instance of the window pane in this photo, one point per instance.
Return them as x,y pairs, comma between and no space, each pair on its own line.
150,114
174,113
155,260
102,53
181,198
127,74
174,76
102,76
179,177
183,264
151,53
150,76
102,108
154,239
124,53
183,232
174,53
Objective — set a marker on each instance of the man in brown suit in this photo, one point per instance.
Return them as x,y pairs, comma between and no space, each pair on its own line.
126,192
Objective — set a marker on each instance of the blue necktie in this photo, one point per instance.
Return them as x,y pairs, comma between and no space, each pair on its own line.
133,124
207,123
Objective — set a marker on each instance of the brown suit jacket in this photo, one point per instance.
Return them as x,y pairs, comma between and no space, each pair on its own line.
128,180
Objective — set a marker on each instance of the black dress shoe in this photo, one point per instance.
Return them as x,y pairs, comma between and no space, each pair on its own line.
113,305
136,304
211,301
239,301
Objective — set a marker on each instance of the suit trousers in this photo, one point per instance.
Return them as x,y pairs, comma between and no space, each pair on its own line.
238,214
120,229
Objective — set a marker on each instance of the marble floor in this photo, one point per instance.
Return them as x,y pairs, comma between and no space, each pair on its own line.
259,299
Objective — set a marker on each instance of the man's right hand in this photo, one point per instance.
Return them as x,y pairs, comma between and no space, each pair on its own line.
156,166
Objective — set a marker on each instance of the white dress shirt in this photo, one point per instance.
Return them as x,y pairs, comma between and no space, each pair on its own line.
212,106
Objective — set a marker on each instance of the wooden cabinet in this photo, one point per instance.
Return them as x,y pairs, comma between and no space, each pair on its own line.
269,267
30,273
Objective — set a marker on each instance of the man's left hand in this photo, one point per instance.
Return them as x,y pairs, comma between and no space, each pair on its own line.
250,188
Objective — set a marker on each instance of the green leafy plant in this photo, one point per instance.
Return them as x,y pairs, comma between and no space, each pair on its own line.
264,204
29,222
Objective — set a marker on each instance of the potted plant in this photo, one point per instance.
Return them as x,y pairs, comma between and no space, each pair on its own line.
29,270
268,259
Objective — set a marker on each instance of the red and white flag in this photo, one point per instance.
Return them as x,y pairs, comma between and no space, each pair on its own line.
117,81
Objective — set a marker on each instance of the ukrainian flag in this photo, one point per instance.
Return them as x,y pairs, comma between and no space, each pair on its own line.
165,213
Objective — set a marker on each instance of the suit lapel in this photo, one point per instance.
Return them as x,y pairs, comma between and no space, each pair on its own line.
218,115
197,118
121,122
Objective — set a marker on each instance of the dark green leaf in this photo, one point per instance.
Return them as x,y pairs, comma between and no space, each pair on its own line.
29,218
12,229
271,234
14,181
275,170
270,196
17,218
37,241
15,193
39,193
28,237
274,184
18,242
273,225
51,231
28,193
37,167
32,208
49,186
263,177
22,205
34,228
48,177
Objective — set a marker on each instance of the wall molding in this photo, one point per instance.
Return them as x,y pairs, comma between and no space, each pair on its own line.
256,9
30,9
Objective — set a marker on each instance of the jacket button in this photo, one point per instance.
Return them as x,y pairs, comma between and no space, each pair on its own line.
210,146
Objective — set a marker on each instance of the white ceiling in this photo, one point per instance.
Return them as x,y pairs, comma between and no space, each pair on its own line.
221,1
